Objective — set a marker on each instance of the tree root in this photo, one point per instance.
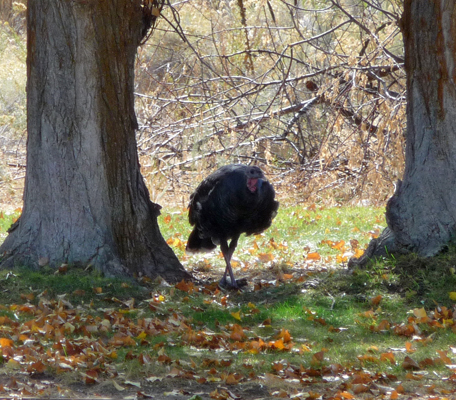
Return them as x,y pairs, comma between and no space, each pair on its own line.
385,245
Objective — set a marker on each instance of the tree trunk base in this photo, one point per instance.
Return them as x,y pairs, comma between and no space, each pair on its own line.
107,264
148,254
385,245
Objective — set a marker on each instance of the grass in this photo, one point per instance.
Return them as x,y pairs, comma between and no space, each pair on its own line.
328,318
295,232
6,220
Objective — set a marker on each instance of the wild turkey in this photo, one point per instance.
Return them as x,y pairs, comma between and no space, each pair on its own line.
233,200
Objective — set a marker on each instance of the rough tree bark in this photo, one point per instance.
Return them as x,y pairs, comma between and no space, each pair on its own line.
421,215
85,201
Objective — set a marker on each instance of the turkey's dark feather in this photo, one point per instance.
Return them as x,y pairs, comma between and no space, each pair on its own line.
222,207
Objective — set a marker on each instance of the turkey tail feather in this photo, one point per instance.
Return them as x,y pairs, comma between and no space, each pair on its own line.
196,244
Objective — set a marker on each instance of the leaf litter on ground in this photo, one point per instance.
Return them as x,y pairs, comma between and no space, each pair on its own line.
305,327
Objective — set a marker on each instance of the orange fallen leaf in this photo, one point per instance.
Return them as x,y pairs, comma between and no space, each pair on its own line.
409,348
285,335
318,357
237,333
384,325
313,256
444,357
358,253
36,367
277,366
182,285
338,245
420,312
367,314
90,377
361,377
410,376
231,380
375,301
164,359
266,257
5,342
388,357
360,388
367,358
278,344
375,233
144,359
29,296
346,395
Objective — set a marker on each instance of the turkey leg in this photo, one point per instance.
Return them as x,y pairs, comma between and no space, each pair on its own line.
227,254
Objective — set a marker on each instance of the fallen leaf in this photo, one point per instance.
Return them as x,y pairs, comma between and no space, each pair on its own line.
409,363
346,395
420,312
236,315
5,342
409,348
266,257
285,335
154,379
360,388
313,256
117,386
90,377
375,301
135,384
237,333
388,357
444,357
231,380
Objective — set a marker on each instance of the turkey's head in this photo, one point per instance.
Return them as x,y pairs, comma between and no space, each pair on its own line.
254,178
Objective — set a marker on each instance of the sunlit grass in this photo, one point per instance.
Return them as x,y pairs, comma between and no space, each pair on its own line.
294,233
6,220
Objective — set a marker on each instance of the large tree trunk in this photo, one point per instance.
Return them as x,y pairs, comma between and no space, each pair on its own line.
85,201
421,215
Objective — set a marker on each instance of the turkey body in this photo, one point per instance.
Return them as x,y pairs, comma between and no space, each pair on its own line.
233,200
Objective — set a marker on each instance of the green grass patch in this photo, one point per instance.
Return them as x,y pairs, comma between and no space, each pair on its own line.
76,284
6,220
318,323
332,233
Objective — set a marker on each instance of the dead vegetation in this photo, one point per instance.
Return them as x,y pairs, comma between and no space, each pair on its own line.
312,94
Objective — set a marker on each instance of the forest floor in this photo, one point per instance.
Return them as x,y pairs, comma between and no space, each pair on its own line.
304,327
